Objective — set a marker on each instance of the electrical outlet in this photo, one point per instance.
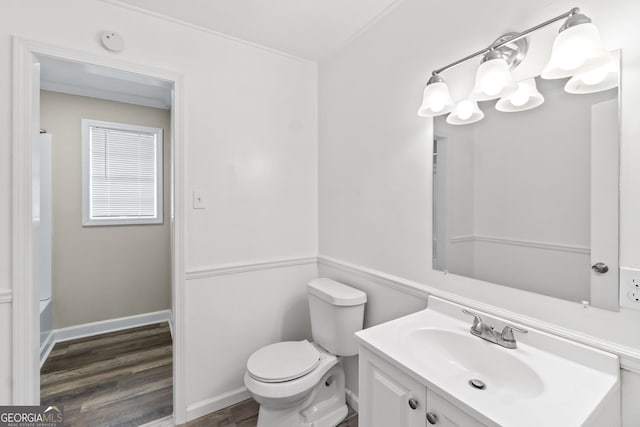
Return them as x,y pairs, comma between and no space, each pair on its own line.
630,287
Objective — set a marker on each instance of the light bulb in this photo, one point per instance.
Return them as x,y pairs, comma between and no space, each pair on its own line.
464,113
596,76
436,99
492,87
438,102
493,79
572,57
577,49
465,110
519,98
525,98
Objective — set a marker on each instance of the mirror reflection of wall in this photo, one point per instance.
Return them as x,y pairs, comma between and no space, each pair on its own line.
512,193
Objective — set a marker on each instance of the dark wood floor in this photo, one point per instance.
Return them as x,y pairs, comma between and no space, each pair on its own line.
125,379
122,378
245,414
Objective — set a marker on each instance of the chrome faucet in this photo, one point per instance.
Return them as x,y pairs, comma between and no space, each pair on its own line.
486,332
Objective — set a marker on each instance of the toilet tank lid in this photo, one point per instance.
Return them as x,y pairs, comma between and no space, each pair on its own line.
336,293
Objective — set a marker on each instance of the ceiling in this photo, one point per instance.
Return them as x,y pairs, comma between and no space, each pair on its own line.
311,29
94,81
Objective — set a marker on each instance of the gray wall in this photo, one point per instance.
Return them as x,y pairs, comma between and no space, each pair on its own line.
102,272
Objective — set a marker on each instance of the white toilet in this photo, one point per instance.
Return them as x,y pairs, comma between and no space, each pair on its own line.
299,383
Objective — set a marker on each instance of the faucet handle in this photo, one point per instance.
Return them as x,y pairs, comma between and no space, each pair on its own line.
477,320
507,332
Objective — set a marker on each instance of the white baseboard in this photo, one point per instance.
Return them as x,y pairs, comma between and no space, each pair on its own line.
207,406
111,325
352,400
46,348
102,327
171,324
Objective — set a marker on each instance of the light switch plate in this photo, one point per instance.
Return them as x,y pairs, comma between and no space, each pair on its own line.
630,287
199,200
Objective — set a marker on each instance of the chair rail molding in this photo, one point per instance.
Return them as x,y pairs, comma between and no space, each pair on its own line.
551,246
6,296
243,267
26,89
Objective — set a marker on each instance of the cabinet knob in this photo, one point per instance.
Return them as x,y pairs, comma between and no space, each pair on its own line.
600,267
413,403
432,418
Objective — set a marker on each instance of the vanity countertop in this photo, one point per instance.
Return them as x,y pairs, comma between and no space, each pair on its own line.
546,380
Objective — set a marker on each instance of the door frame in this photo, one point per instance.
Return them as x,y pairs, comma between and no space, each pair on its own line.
25,312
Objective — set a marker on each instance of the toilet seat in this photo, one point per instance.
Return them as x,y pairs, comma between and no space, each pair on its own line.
283,361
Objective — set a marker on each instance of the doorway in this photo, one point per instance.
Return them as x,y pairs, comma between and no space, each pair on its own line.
30,58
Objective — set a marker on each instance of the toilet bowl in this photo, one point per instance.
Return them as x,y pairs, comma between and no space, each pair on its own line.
315,398
302,383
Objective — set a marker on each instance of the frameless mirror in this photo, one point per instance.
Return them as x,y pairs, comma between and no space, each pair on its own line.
530,199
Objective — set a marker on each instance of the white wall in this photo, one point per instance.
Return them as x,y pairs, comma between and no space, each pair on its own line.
5,352
250,124
375,152
231,316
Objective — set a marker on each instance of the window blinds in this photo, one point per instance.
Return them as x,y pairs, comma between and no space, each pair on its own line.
123,174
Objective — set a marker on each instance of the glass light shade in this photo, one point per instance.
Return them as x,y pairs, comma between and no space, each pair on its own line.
602,78
464,113
525,98
576,50
493,80
436,100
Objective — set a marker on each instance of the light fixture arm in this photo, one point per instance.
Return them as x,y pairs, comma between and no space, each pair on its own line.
511,39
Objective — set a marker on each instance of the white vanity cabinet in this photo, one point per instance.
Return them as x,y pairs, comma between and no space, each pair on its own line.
390,397
427,369
448,415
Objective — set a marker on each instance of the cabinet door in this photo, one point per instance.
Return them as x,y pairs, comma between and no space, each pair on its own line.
388,396
445,414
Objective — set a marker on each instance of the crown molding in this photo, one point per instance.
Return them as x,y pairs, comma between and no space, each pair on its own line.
157,15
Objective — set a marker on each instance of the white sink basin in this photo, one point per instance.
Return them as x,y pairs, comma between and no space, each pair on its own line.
545,381
467,357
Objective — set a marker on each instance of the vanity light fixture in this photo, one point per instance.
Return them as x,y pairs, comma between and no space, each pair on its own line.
436,99
602,78
525,98
577,50
465,112
493,78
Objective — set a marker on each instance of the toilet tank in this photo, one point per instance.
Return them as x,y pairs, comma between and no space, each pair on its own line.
337,312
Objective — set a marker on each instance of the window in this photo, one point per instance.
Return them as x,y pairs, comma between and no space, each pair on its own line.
121,174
